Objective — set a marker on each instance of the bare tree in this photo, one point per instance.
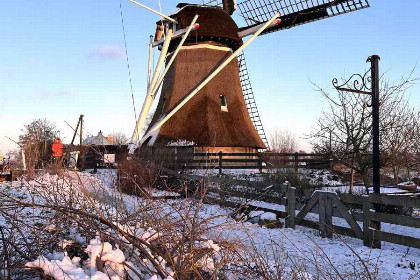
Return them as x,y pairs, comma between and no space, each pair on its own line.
344,130
400,137
282,141
36,140
120,138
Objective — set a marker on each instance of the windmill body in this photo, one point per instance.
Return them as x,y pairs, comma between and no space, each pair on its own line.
202,98
216,119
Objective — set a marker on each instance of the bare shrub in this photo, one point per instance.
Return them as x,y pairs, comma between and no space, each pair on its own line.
136,177
182,239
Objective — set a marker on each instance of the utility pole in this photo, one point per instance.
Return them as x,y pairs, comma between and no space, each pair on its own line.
81,129
79,122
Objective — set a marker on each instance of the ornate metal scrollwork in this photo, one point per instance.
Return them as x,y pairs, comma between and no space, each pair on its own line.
356,83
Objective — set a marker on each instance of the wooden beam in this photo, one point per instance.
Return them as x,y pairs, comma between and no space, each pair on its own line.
397,200
348,216
148,101
308,206
154,11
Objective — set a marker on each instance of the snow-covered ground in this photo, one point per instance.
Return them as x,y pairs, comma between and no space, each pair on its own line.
299,253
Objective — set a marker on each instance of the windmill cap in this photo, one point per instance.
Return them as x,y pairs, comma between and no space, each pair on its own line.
214,25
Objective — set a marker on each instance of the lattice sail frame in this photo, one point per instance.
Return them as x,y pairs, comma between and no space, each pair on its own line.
296,12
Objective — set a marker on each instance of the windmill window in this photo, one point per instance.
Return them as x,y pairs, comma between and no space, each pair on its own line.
223,103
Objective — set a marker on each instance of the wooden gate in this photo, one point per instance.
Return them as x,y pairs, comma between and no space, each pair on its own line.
326,201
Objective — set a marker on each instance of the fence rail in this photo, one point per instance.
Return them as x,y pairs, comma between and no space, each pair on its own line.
187,158
360,220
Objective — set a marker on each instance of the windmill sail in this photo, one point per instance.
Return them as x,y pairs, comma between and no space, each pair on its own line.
248,94
295,12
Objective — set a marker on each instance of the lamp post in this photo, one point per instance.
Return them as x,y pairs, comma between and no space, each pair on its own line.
376,180
358,83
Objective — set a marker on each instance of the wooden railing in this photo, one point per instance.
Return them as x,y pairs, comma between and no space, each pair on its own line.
355,210
186,158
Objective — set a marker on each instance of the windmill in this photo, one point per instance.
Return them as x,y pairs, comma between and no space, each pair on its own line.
206,97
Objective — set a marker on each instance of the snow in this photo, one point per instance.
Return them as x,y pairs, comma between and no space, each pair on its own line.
180,143
61,267
268,216
64,269
301,246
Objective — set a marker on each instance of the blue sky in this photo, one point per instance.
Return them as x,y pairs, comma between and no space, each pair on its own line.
60,59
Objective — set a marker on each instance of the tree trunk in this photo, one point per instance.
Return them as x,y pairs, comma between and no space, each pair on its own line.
351,182
366,180
396,173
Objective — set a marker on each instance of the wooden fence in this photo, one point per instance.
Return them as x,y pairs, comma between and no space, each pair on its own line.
187,158
358,217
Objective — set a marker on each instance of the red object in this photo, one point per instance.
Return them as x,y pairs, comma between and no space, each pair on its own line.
57,148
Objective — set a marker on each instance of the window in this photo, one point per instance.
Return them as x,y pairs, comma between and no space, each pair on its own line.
223,103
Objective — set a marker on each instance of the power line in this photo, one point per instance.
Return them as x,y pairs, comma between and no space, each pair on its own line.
128,61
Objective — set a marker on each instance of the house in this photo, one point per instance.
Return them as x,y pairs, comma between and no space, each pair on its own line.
99,139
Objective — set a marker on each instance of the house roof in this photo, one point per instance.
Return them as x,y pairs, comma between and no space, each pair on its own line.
99,139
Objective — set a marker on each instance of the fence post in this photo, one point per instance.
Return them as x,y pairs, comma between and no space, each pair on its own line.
260,162
366,221
325,215
291,206
377,226
296,163
220,162
176,157
328,216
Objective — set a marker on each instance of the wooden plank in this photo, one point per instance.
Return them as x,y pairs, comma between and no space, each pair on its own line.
293,154
336,213
328,216
308,206
336,229
351,198
396,238
321,217
250,196
224,154
395,219
348,216
254,184
216,166
252,160
231,204
366,221
398,200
